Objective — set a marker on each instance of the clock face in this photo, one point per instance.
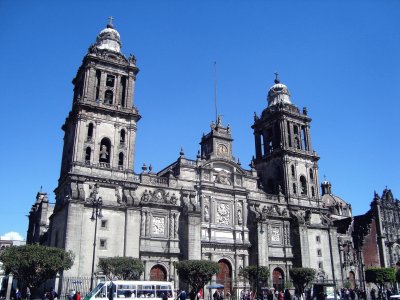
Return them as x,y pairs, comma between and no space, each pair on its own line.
222,150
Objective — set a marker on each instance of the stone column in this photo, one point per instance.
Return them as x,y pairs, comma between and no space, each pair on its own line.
9,286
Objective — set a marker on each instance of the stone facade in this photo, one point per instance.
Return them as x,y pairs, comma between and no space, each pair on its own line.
209,207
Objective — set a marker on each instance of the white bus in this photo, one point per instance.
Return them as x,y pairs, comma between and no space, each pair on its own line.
132,289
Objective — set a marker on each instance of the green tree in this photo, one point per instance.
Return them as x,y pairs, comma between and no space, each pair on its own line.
301,278
196,273
34,264
380,276
126,268
250,273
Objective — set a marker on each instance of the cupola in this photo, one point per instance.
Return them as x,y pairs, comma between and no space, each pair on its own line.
278,93
109,38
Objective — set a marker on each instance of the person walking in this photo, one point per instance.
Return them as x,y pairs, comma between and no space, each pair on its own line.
18,294
28,293
287,295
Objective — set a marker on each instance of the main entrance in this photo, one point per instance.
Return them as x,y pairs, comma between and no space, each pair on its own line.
277,279
224,275
158,273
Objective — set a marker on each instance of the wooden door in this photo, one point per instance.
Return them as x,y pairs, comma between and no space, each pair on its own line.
158,273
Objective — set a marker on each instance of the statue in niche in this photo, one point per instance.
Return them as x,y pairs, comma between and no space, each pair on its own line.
173,199
206,213
103,152
145,196
239,217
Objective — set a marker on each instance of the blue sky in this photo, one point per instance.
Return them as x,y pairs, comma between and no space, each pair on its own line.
340,59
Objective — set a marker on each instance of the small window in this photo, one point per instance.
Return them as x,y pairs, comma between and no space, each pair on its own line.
294,189
312,191
311,174
292,170
320,265
103,223
318,239
88,155
90,132
120,160
110,81
303,183
103,244
122,137
108,97
319,252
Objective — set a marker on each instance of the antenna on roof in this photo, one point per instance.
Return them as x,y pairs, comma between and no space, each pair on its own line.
215,91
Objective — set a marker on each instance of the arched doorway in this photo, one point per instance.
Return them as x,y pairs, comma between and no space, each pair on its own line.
224,275
158,273
352,280
277,279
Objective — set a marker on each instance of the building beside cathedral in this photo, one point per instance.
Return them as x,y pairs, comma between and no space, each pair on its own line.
209,207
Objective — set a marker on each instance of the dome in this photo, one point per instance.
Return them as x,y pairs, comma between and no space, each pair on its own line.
278,93
109,39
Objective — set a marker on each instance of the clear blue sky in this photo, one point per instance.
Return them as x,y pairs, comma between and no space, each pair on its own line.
338,58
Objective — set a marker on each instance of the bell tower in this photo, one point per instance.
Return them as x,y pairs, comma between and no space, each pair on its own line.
100,130
285,160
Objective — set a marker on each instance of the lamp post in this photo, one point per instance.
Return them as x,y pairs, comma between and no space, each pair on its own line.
96,213
259,292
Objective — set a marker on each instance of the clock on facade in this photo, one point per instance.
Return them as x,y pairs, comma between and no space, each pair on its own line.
222,150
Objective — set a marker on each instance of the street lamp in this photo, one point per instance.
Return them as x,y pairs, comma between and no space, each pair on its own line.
96,213
259,292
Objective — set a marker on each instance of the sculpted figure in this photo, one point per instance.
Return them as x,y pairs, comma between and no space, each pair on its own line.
103,152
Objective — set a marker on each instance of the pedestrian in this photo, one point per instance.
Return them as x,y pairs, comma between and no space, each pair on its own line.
182,295
28,293
287,295
216,295
373,294
18,294
165,296
280,295
77,295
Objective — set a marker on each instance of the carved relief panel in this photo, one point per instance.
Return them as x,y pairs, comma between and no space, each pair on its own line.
158,227
223,214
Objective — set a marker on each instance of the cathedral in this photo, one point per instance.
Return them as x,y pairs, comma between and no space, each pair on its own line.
210,207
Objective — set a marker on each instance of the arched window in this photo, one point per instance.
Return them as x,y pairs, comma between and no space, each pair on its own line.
88,154
120,160
312,191
303,183
105,152
294,188
311,174
292,171
90,132
108,97
122,136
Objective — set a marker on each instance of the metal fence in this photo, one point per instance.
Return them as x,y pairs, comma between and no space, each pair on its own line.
77,284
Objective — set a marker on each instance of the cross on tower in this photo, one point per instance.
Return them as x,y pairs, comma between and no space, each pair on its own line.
276,77
110,19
